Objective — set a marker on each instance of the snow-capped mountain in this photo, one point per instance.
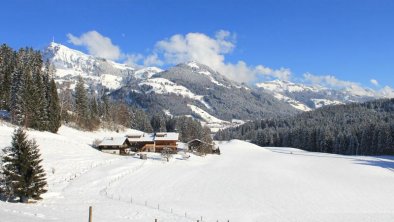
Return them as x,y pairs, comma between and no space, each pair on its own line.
191,88
71,63
306,97
146,73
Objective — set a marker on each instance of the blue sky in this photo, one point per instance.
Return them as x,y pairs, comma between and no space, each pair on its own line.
338,43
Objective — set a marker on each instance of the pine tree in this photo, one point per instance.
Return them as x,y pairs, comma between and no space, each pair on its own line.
155,122
54,111
81,103
22,166
7,66
141,121
171,125
16,97
40,119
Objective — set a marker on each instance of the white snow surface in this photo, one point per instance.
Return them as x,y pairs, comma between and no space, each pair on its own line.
245,183
111,81
193,64
325,102
296,104
283,86
165,86
204,115
146,73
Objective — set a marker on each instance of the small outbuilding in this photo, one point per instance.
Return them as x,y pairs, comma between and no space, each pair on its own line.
202,147
115,145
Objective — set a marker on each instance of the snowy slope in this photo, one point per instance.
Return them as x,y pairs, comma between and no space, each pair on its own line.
165,86
307,97
246,183
283,86
325,102
146,73
294,103
71,63
213,123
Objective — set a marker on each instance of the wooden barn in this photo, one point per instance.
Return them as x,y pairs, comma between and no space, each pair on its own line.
202,147
115,145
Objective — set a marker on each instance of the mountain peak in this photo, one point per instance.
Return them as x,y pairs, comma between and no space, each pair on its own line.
193,64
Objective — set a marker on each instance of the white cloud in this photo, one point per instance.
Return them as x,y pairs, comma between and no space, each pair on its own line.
210,51
153,59
387,92
374,82
353,87
282,73
134,59
96,44
329,81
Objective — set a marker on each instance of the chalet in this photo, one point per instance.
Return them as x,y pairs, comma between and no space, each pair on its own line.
115,145
153,142
166,140
200,146
141,142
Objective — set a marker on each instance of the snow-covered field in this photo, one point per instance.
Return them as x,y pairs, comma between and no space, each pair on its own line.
245,183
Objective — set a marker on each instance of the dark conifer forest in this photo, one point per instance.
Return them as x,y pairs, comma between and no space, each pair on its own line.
27,89
353,129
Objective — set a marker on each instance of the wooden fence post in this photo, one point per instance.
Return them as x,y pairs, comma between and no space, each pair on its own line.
90,214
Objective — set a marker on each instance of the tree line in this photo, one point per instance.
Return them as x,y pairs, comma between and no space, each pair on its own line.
353,129
28,90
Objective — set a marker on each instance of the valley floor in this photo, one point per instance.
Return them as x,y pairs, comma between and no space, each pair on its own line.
245,183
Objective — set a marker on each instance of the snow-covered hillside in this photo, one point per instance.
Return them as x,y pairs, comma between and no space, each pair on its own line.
245,183
210,121
165,86
155,89
294,103
146,73
307,97
286,86
70,64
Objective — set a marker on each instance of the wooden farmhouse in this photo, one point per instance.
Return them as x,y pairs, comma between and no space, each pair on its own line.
142,142
115,145
153,142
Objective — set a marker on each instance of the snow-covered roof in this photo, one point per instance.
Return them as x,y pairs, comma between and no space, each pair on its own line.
198,140
146,137
166,136
135,135
142,137
113,141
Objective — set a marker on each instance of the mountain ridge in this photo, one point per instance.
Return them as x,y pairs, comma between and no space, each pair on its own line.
193,89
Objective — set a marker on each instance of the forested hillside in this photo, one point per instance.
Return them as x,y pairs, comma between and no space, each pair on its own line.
354,129
27,89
